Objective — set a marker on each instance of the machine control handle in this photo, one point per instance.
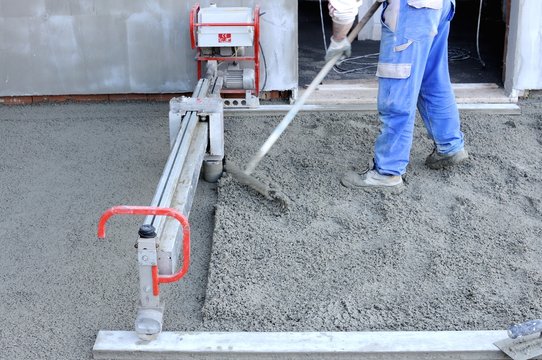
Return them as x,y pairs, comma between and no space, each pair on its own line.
151,210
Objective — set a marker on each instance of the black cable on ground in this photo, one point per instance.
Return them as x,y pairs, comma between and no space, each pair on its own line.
458,54
323,25
454,53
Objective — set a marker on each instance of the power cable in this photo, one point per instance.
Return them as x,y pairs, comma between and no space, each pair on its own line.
478,35
370,64
264,66
323,26
454,53
458,54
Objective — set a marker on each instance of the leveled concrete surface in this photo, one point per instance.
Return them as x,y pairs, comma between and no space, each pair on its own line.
61,166
458,249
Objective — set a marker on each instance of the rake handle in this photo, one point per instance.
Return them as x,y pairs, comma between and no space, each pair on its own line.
253,163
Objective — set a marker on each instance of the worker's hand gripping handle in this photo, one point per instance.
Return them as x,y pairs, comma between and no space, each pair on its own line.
150,210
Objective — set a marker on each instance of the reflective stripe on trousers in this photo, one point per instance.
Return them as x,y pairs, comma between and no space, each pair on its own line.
413,72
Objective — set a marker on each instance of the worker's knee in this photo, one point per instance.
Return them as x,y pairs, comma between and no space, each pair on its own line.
343,11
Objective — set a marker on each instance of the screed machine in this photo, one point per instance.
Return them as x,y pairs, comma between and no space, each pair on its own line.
226,40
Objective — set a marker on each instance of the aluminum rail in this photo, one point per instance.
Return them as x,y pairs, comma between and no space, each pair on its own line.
170,238
172,170
445,345
159,254
161,238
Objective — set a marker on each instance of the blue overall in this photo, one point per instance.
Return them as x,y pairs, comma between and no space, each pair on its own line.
413,72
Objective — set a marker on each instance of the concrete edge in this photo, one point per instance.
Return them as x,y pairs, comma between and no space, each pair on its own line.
466,345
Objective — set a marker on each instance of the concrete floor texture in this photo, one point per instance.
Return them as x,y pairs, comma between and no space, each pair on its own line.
457,249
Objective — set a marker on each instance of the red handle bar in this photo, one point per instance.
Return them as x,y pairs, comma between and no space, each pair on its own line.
150,210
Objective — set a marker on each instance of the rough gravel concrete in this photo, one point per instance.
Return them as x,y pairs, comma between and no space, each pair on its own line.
439,256
61,166
458,249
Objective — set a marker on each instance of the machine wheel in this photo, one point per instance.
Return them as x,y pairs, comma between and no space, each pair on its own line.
212,171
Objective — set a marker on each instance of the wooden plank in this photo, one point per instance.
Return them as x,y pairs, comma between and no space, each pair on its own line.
465,345
349,81
364,83
475,86
365,92
503,109
270,110
488,95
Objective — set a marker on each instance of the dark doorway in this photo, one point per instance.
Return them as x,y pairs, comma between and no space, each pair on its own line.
465,66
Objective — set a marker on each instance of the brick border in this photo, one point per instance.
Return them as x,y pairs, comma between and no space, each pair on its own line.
44,99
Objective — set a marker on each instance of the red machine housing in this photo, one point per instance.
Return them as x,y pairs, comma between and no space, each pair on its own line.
194,25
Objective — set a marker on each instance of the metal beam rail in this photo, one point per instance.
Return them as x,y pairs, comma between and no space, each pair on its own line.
164,236
172,170
445,345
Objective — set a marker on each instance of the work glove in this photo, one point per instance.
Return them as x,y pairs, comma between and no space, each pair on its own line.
339,47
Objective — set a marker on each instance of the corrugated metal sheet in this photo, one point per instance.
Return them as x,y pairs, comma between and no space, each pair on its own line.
51,47
525,45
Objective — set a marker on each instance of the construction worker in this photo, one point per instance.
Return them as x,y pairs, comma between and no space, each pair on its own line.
413,72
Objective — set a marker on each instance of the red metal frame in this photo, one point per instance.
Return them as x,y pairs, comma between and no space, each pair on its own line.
256,58
193,14
151,210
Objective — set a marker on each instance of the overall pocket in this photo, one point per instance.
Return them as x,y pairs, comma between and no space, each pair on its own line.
395,60
393,71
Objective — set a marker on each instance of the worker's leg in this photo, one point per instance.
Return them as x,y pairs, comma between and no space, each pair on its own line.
402,62
437,103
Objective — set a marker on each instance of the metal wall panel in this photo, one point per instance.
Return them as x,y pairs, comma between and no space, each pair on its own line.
53,47
523,70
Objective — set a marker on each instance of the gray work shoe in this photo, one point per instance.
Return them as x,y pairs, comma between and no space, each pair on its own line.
437,161
371,179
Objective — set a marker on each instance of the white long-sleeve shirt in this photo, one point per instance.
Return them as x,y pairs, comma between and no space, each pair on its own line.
432,4
345,11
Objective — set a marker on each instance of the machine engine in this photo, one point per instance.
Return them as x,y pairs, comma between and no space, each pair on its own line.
227,43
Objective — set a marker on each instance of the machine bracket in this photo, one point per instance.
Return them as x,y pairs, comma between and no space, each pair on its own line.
147,257
183,105
249,101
